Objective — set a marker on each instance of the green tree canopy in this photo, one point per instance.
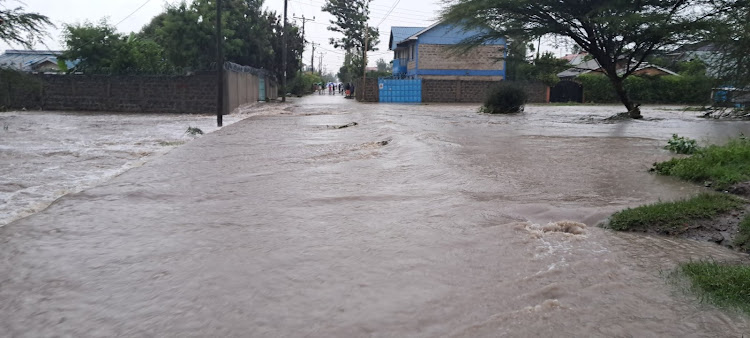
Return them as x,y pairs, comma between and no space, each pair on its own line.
619,34
350,19
252,35
17,26
100,49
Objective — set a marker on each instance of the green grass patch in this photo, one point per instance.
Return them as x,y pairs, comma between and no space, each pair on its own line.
715,166
718,283
673,217
742,240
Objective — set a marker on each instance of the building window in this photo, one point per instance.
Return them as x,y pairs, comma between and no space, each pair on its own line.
412,51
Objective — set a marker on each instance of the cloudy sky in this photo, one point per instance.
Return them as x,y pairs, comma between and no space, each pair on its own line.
131,15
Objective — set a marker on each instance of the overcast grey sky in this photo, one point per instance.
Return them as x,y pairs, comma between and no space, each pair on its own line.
417,13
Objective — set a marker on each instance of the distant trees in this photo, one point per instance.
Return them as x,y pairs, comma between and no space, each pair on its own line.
620,35
183,38
17,26
382,65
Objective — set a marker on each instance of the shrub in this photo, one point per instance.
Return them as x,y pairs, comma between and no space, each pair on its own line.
681,145
717,166
504,99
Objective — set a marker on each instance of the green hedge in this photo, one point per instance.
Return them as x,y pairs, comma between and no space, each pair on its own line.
598,88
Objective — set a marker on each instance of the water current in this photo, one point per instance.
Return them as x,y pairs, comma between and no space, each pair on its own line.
421,220
45,155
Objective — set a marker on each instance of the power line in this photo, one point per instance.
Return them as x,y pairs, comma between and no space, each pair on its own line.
389,12
131,14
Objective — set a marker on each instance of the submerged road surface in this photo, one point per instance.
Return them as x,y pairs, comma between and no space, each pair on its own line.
423,221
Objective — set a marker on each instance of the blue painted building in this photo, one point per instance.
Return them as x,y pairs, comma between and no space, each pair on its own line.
425,52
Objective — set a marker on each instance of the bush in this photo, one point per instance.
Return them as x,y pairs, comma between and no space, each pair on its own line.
504,99
681,145
717,166
303,83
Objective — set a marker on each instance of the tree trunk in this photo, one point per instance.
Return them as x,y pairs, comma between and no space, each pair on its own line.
633,109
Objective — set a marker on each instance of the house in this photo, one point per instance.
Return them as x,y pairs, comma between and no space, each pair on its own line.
33,61
427,53
575,59
593,67
708,53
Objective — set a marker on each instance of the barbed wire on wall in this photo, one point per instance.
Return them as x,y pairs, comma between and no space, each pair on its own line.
249,70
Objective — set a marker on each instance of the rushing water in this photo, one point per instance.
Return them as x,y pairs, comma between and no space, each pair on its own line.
45,155
421,220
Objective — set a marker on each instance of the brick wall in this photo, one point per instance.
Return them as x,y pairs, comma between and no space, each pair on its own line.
442,57
475,91
130,93
373,93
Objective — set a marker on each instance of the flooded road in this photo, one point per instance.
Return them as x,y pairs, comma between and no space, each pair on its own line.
423,221
45,155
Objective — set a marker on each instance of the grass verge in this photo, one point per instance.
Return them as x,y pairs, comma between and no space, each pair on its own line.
742,240
715,166
674,217
720,283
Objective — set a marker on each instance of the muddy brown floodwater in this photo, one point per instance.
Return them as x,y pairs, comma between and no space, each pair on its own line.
419,221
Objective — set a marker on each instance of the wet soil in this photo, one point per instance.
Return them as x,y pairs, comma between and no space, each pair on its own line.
740,189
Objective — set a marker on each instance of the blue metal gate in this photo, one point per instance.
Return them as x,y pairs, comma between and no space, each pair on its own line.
400,90
261,88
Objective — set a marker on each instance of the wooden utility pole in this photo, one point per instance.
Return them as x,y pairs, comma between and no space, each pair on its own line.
283,56
364,65
303,25
320,64
312,59
219,67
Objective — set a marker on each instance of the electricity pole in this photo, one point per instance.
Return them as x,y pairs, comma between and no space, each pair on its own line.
320,64
364,65
303,25
219,67
283,56
312,59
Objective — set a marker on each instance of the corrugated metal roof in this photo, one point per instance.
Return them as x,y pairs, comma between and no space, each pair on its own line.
399,34
24,60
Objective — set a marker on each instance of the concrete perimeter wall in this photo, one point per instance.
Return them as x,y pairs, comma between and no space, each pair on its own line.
475,91
458,90
132,93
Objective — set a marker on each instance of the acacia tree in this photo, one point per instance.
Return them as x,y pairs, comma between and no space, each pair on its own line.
731,35
619,34
17,26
